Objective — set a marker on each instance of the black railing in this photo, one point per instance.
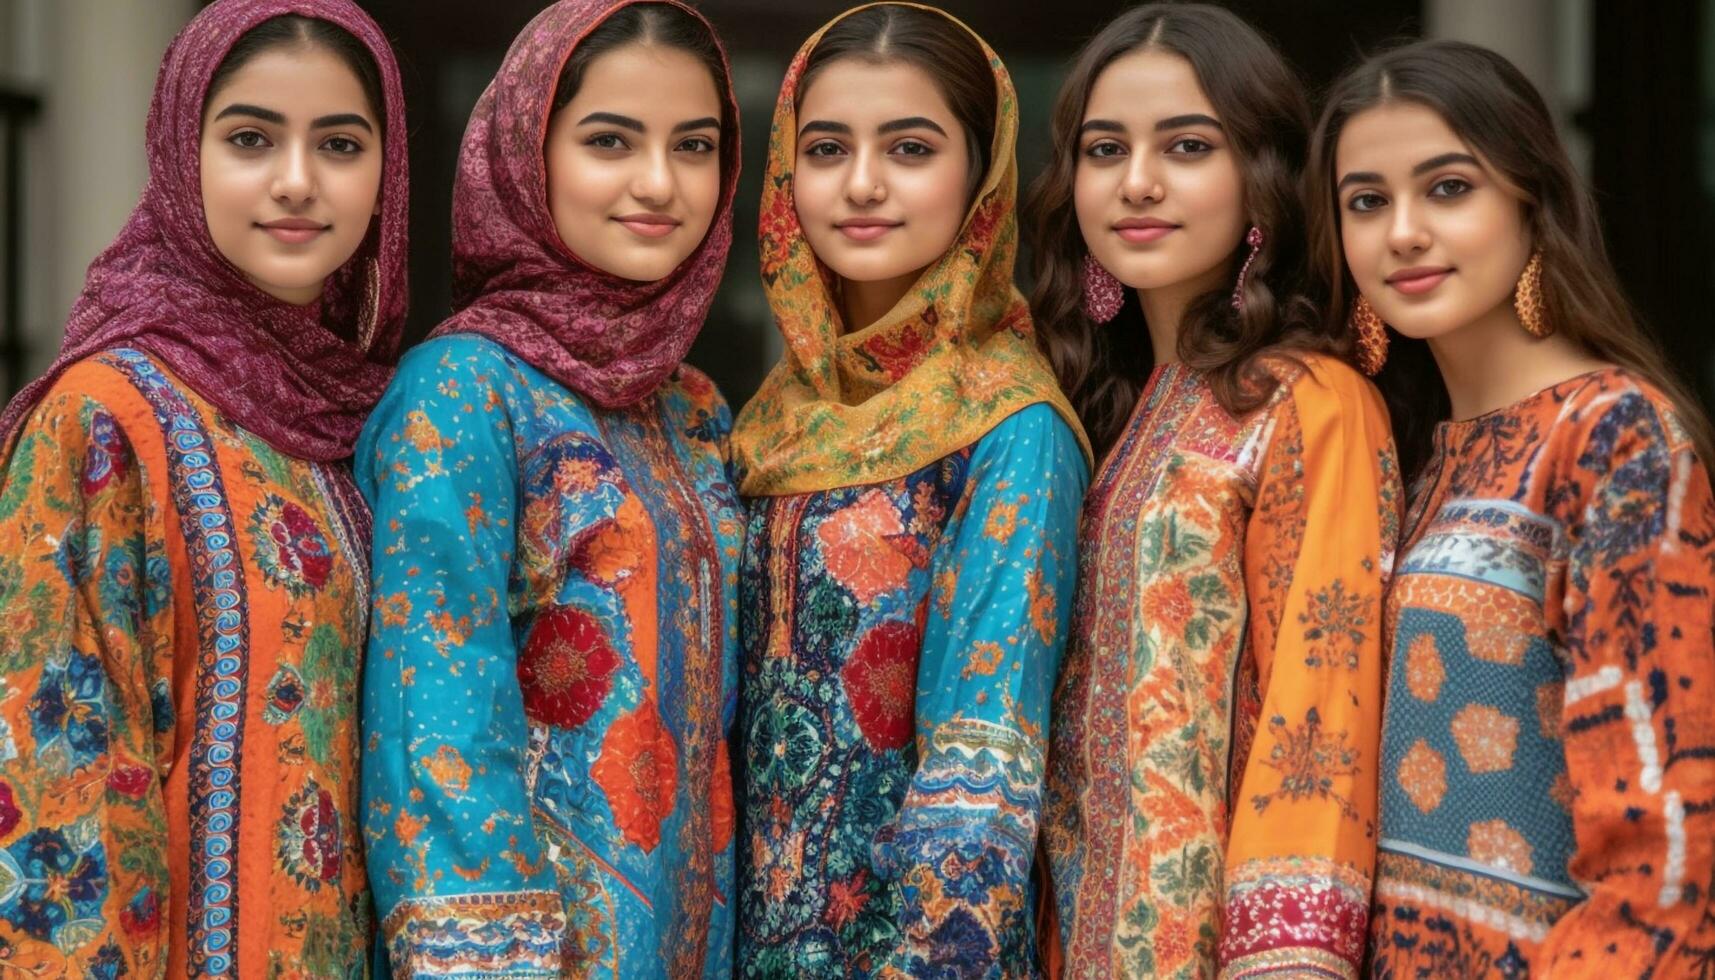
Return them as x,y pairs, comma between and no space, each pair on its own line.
18,109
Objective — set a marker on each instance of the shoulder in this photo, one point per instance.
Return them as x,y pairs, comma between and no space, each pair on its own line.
1321,383
1612,417
1034,444
108,391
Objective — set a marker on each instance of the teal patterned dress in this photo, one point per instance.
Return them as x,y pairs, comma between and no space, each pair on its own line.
551,673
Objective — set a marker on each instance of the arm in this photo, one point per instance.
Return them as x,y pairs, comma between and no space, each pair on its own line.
461,879
1638,721
962,843
85,603
1318,551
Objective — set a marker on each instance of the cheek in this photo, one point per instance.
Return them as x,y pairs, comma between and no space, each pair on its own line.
1092,190
1213,194
814,193
1362,243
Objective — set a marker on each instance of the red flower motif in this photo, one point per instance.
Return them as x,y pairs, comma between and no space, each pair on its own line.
318,821
881,684
301,544
897,353
130,780
9,812
722,806
638,770
566,668
142,914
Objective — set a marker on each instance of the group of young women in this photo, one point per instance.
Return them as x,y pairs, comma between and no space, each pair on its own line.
1311,578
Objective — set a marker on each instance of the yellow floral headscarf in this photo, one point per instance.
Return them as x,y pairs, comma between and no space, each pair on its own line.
952,360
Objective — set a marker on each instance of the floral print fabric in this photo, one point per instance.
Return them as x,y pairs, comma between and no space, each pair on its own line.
181,614
901,641
1549,747
551,673
1211,790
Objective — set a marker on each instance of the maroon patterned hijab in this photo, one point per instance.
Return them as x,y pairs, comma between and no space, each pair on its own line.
611,340
163,288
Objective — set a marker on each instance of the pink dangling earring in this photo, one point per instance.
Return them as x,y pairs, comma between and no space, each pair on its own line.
1103,294
1253,238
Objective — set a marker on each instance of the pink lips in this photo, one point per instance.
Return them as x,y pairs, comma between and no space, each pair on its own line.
866,229
648,225
1142,231
1420,279
294,231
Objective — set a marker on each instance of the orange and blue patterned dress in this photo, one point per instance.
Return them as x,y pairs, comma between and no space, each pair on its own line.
1211,785
901,640
1548,805
181,619
551,673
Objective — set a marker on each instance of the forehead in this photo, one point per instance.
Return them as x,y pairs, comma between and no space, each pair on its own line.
1145,86
857,89
1391,138
301,78
645,80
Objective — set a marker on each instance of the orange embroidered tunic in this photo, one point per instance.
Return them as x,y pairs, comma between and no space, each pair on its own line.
1549,749
1211,784
181,614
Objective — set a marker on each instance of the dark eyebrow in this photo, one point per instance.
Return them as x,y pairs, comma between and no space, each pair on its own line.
707,122
1189,119
342,119
909,122
256,112
1101,125
1358,177
824,126
612,119
1435,163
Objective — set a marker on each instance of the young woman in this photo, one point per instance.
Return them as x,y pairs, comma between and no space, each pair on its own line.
183,567
551,673
1211,787
1549,746
914,477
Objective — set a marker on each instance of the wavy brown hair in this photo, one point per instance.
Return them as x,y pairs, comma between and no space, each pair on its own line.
1495,109
1262,108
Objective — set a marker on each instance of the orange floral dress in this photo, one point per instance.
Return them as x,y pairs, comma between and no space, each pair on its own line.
181,616
1212,769
1548,804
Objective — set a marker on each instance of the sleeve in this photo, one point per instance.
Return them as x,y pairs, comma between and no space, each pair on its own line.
461,880
1638,716
1001,595
86,710
1318,552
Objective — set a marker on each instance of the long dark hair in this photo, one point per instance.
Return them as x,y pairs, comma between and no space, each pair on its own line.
1263,110
646,23
296,30
933,42
1498,113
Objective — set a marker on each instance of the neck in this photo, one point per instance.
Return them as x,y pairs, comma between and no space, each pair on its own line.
1164,309
863,303
1492,362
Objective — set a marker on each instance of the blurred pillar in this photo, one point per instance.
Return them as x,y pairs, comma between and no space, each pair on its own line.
93,63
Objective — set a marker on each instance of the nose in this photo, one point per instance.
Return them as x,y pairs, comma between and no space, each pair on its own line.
1406,233
653,182
1141,183
295,175
864,184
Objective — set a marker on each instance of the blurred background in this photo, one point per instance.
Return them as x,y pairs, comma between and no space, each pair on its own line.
1633,85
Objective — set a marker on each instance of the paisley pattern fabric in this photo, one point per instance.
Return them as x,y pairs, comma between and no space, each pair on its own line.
1211,790
951,360
1549,746
551,673
901,641
181,615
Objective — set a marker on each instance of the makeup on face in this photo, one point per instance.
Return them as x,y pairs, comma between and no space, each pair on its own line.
633,161
1158,192
882,175
291,169
1433,238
